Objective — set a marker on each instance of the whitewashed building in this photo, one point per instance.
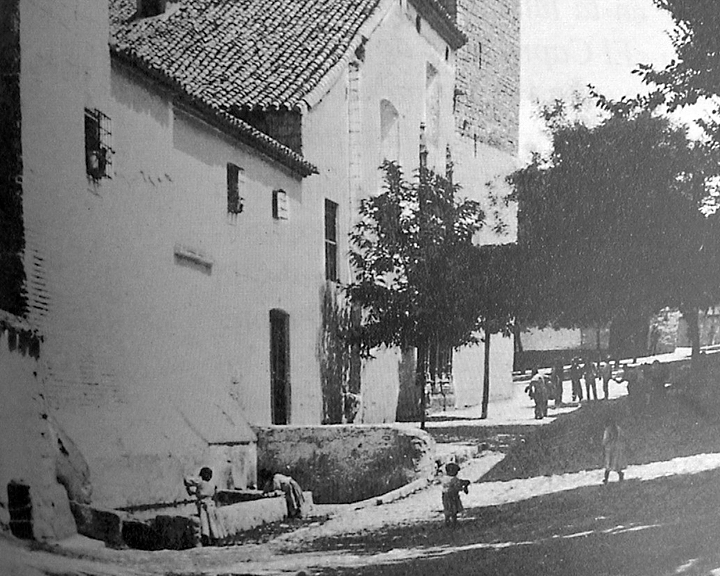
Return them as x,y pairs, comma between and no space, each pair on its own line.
181,180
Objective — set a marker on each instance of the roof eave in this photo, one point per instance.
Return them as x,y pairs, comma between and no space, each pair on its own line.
443,23
220,119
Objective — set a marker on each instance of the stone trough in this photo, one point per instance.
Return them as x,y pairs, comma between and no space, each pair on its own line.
172,525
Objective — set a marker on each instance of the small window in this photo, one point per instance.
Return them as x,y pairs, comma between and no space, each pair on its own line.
418,23
235,202
98,146
148,8
331,249
480,55
280,208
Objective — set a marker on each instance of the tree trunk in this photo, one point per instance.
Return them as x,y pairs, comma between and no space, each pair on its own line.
517,347
421,369
411,397
693,326
486,375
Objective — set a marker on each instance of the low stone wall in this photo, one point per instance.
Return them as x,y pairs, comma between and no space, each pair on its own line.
348,463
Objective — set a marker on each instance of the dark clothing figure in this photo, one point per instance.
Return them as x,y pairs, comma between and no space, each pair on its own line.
590,383
556,381
537,390
606,374
657,376
636,383
451,488
575,373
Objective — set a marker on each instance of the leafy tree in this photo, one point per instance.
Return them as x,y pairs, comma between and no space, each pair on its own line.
695,71
413,259
609,224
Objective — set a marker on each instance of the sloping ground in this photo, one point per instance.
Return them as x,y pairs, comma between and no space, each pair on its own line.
574,442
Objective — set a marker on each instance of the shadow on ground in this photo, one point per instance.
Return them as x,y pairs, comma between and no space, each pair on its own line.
664,526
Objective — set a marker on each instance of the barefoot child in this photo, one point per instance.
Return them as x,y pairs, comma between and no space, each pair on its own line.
451,487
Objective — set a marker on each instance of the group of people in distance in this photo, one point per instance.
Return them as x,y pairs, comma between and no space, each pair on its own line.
542,389
646,385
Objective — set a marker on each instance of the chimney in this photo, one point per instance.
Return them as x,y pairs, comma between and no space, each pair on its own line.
148,8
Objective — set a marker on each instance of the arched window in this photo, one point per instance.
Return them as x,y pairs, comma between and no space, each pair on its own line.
432,104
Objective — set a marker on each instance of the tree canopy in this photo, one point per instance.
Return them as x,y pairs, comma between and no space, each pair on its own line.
609,223
419,279
412,257
695,71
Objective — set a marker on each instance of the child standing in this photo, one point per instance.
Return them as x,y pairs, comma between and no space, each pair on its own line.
614,448
451,487
203,488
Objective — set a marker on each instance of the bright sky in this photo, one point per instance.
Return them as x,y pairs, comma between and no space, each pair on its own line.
568,44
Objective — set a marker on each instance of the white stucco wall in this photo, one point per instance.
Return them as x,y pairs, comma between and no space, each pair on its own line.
342,135
468,366
149,359
551,339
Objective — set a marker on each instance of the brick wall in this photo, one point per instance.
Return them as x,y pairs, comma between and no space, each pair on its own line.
487,90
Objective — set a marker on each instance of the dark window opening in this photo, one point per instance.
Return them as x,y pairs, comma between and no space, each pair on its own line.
235,203
148,8
280,205
20,509
480,55
418,23
98,150
447,53
331,248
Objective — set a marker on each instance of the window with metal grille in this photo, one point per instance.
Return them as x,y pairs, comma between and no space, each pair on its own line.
235,202
98,145
331,267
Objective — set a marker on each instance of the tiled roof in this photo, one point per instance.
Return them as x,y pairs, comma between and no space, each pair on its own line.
225,55
256,53
252,53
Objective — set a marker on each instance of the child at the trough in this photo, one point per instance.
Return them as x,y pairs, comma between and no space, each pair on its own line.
203,488
281,484
451,487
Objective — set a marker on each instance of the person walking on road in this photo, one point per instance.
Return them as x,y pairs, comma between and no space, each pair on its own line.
614,448
606,374
537,390
590,384
556,380
575,373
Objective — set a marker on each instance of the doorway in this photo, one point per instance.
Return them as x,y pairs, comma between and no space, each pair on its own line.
280,366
